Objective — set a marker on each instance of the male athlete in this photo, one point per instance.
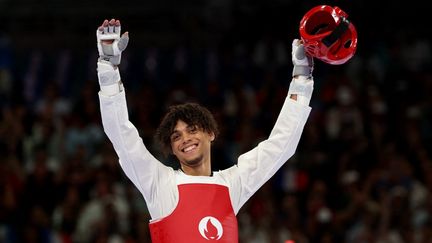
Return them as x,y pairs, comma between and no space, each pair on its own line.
194,204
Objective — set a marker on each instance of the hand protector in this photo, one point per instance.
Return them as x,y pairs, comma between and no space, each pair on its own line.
303,64
110,44
302,83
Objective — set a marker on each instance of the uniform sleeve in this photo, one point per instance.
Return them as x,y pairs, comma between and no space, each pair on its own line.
258,165
153,179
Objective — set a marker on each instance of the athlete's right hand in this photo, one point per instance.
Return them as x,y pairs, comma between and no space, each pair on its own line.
109,42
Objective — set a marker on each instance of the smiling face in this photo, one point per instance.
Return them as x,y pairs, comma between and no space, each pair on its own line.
191,145
186,131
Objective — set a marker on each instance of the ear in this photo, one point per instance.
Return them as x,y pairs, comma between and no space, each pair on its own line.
212,136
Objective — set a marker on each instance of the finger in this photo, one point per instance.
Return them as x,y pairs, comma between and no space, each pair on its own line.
117,29
110,28
103,27
123,42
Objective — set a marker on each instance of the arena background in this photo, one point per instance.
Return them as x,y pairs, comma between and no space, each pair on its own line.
362,171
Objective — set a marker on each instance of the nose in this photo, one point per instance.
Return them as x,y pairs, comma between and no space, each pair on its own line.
186,137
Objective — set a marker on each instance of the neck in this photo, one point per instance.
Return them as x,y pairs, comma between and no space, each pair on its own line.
200,169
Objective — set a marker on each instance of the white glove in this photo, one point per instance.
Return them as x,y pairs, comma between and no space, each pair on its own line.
109,42
302,83
110,46
303,63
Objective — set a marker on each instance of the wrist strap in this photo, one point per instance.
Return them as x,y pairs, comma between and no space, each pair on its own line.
301,70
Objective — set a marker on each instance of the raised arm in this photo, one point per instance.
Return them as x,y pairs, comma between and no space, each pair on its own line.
257,166
141,167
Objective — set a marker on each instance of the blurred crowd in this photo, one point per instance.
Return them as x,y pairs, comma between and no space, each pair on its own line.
362,172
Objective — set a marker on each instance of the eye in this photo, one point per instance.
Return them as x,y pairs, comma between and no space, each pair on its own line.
193,129
175,137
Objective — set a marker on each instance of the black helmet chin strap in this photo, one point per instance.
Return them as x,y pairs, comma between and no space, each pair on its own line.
336,33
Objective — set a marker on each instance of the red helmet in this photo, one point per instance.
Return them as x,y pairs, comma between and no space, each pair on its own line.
328,35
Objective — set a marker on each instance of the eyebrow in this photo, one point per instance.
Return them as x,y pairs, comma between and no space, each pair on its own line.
187,127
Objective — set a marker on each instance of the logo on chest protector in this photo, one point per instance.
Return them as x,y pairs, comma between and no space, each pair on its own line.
210,228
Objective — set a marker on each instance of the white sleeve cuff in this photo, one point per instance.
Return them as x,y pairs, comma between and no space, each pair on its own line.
301,86
111,90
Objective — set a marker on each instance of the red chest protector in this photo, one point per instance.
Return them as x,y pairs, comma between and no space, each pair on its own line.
203,214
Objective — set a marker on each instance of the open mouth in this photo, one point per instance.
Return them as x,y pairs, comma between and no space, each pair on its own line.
190,148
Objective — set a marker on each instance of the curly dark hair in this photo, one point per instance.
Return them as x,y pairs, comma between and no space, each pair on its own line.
192,114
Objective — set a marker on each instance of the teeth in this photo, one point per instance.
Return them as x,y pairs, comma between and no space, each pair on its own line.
187,149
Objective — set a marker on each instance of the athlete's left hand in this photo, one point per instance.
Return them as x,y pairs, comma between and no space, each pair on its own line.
303,63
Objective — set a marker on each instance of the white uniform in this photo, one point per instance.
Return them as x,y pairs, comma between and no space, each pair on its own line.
158,183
